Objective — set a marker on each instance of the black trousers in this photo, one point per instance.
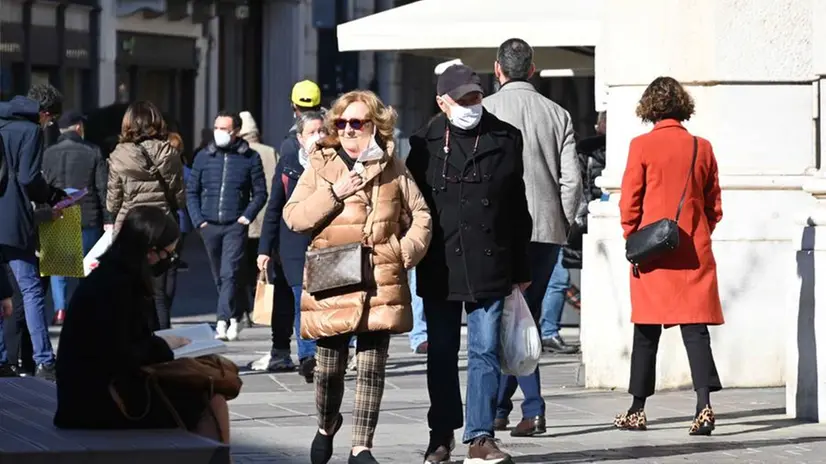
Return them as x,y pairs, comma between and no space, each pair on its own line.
283,309
247,277
697,343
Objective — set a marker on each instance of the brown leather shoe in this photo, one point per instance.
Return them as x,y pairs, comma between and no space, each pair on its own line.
484,450
438,453
501,424
529,427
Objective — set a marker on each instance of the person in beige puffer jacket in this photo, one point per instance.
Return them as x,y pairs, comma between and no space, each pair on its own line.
146,150
356,191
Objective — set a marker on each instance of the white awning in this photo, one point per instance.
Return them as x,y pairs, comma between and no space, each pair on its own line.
472,30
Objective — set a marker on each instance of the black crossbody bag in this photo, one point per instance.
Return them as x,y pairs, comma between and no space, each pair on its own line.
659,237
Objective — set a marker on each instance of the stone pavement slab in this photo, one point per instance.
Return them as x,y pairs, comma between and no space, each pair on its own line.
273,420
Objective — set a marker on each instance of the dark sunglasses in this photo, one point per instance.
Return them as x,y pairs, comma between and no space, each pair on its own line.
356,124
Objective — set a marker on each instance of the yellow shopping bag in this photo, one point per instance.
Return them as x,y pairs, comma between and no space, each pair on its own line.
61,245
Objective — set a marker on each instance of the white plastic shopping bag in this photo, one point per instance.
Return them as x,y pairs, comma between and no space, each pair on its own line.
90,262
520,344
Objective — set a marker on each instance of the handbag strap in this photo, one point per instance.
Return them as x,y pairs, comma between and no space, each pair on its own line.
153,168
687,180
374,202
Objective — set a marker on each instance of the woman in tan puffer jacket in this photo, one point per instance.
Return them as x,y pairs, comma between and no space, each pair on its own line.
146,150
356,191
132,178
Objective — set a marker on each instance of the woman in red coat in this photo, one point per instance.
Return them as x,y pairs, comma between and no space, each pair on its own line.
680,286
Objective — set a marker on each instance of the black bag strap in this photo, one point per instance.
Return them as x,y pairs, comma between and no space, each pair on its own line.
173,202
687,180
5,168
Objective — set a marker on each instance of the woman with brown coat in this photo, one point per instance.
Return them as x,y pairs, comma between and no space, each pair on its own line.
145,168
679,287
355,191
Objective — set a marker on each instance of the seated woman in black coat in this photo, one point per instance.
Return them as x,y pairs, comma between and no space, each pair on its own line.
107,337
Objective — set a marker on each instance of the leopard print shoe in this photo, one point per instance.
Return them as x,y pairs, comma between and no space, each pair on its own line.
703,424
631,421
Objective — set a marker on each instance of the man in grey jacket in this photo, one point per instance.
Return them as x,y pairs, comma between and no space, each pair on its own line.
553,186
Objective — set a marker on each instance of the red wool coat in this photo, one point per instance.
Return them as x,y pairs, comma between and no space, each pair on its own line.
679,287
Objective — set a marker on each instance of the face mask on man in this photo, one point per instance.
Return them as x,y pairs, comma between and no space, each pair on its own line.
306,149
465,117
309,143
222,138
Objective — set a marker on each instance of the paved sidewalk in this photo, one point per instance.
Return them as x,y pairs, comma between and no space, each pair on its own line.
273,420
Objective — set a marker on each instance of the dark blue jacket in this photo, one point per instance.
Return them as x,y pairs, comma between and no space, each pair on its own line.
6,290
23,145
276,237
290,146
225,184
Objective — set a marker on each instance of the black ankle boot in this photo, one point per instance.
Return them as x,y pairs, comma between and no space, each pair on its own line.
365,457
322,448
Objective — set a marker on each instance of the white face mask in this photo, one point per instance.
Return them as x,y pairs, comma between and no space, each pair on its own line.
371,153
465,117
222,138
309,143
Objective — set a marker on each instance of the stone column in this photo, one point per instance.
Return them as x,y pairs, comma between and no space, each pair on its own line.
749,67
806,320
107,53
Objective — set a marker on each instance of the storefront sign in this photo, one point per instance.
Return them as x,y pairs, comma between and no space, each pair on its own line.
43,46
160,51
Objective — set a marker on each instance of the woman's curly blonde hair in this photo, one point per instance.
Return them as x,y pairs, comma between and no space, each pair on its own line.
665,98
383,117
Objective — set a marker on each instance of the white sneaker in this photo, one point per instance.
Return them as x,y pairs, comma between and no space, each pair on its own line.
221,330
260,364
234,330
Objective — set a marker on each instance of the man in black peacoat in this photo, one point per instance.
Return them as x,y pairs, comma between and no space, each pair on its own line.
468,165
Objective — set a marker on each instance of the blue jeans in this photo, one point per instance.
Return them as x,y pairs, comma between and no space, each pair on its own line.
306,348
225,246
89,237
418,335
554,300
445,338
543,257
26,271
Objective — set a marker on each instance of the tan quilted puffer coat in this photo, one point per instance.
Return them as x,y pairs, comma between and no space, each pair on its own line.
132,181
400,236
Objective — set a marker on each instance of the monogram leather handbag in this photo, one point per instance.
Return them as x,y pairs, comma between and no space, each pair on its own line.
659,237
343,267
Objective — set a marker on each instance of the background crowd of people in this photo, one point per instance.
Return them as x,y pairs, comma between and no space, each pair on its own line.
491,199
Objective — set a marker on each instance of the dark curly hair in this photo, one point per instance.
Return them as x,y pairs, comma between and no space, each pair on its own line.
49,98
665,98
142,121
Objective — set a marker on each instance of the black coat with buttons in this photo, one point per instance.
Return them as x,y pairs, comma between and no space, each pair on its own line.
481,223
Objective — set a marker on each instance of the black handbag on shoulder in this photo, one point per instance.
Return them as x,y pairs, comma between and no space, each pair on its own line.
659,237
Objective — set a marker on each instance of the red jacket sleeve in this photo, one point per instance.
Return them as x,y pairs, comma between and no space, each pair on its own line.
712,196
633,189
